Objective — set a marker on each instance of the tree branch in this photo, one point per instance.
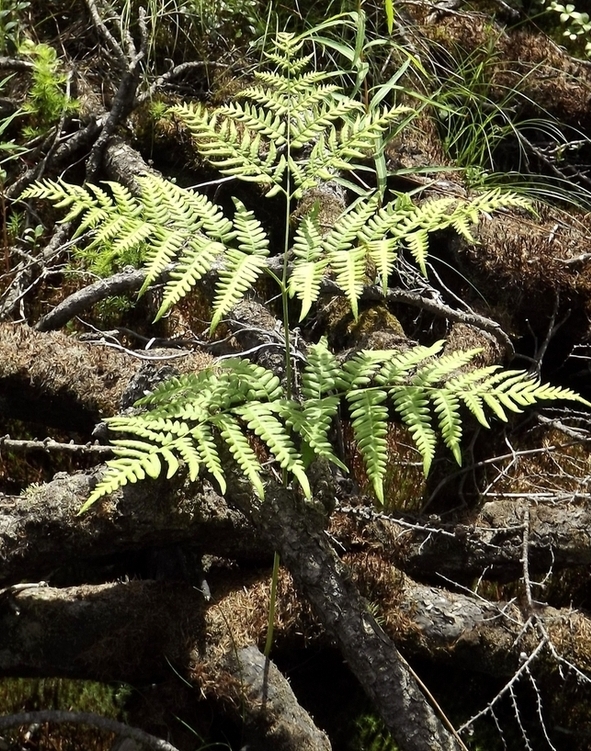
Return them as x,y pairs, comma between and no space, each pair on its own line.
60,717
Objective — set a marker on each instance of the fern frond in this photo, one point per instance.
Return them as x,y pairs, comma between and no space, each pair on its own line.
350,225
309,264
412,403
383,254
350,269
197,258
321,372
435,371
208,453
269,123
447,409
165,203
190,455
360,135
135,460
180,388
369,420
233,151
124,200
418,244
237,442
261,418
119,473
62,195
253,382
134,236
312,421
249,232
103,199
239,275
306,124
359,371
165,246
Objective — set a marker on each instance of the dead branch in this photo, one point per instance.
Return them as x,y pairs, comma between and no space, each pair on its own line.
49,445
61,717
123,103
41,531
268,700
128,280
296,530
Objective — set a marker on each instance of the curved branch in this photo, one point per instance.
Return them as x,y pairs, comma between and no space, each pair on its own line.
60,717
130,281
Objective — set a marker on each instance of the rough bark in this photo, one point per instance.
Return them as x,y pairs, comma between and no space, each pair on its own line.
490,540
125,631
41,531
89,719
297,531
272,705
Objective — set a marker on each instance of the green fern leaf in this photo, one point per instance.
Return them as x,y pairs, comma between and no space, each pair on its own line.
241,272
349,267
369,420
196,260
249,232
222,144
351,226
447,408
262,420
359,371
269,124
412,404
165,246
208,453
132,464
133,237
252,382
312,421
321,373
383,254
308,124
190,455
239,447
396,369
361,135
418,244
124,200
309,265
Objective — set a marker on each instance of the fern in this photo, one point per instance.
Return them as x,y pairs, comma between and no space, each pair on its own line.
191,417
326,132
289,131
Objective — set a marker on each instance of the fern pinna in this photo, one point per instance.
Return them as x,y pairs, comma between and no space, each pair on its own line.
189,417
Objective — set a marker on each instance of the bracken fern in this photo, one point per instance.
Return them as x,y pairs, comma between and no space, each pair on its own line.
191,416
290,131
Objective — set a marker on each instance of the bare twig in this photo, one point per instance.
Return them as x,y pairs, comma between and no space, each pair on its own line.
176,72
48,444
14,63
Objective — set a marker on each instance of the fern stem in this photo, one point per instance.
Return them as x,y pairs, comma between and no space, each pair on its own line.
272,603
270,624
285,273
